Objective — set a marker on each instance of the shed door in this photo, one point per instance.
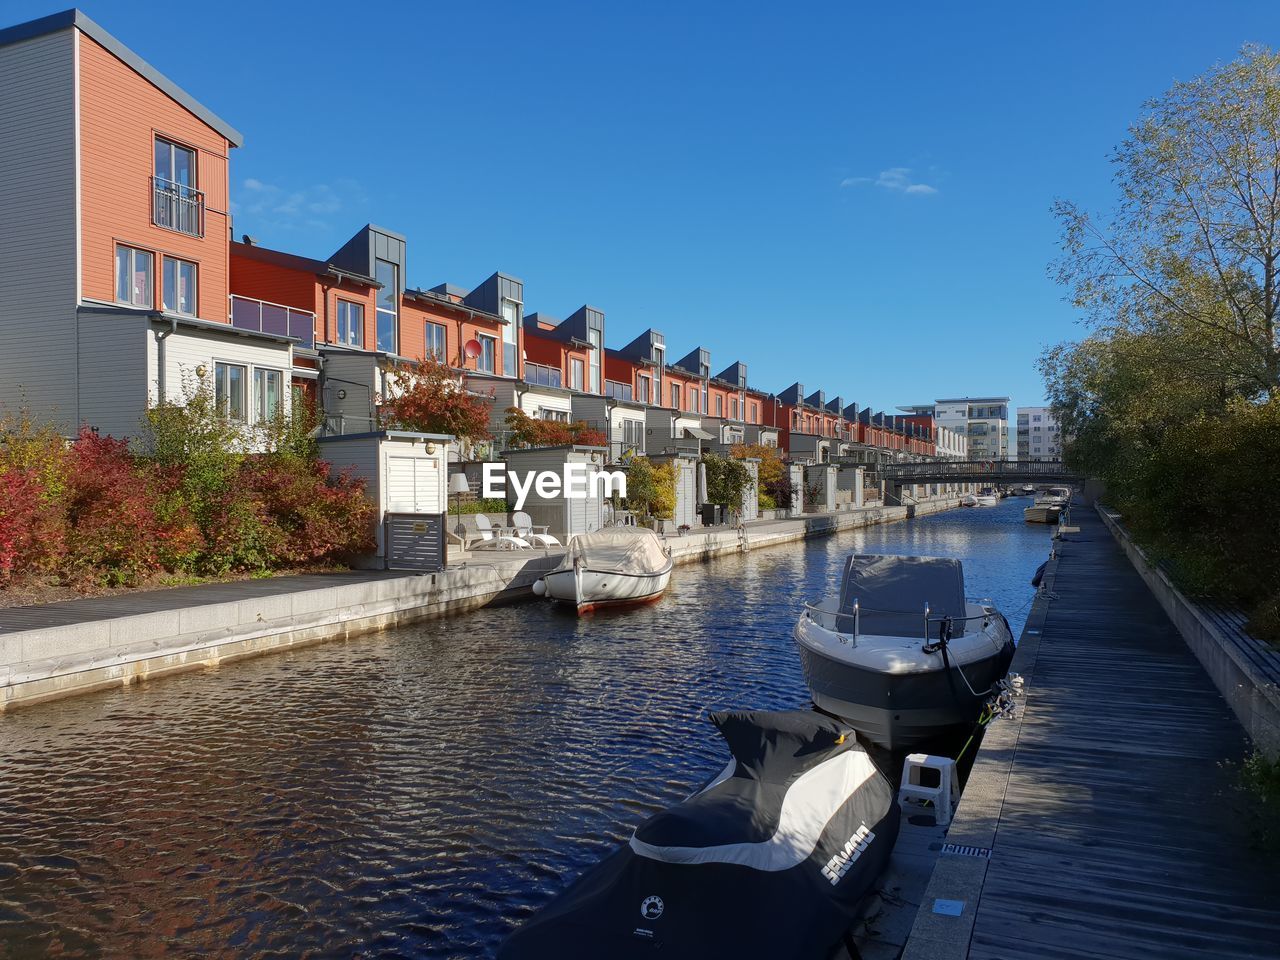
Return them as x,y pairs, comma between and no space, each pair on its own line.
414,484
586,514
750,501
686,492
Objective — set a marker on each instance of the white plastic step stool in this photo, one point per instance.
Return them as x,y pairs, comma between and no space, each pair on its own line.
944,796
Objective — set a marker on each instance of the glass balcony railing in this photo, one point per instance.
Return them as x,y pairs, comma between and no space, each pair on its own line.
266,317
541,375
618,391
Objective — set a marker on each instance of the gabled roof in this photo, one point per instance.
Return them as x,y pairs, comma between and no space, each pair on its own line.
80,21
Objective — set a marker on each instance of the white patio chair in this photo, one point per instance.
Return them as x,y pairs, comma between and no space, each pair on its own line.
525,530
490,538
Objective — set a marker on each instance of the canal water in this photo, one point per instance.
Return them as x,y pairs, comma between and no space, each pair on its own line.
418,792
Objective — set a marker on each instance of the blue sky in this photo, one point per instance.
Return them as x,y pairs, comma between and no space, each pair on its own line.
844,194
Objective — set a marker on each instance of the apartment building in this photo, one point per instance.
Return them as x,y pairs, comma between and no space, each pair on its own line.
984,421
114,239
1039,434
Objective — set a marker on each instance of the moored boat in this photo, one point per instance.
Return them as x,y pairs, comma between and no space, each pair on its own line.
900,652
968,500
613,567
988,497
771,858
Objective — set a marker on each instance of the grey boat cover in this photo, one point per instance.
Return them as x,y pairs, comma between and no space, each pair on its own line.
769,859
636,551
891,593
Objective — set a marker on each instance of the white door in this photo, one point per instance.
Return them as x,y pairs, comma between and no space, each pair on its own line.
750,501
414,484
586,514
686,493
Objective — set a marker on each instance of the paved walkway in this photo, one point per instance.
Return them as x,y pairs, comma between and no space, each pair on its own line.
1119,833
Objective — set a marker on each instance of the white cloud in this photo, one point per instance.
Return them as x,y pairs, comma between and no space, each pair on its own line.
896,179
265,205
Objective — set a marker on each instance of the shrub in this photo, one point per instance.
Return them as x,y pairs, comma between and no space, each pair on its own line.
525,431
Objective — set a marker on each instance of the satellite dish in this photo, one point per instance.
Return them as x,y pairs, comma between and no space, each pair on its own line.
472,348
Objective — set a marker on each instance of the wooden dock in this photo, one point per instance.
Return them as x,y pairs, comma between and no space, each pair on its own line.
1104,821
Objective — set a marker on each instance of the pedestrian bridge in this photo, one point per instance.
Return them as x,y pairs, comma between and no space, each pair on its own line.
977,471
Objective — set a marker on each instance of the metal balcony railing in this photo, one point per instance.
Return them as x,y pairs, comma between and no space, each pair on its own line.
176,206
266,317
541,375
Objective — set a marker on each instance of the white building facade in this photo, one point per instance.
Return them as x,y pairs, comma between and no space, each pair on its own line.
982,421
1039,434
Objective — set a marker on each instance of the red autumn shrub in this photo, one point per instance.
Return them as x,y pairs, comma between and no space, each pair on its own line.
526,431
310,516
28,534
113,530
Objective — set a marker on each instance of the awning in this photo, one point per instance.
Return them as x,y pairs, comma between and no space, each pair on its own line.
699,434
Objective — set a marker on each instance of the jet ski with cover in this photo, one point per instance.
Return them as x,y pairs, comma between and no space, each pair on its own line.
770,859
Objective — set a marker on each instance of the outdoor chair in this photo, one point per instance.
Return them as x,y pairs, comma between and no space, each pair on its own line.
525,530
489,537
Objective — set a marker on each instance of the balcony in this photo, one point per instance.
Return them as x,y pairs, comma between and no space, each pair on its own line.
541,375
263,316
617,391
176,206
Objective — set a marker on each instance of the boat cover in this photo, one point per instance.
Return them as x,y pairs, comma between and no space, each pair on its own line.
891,593
770,859
634,550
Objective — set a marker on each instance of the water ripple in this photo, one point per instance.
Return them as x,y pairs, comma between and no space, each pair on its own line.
415,793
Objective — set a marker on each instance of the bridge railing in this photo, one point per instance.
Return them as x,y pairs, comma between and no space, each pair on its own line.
942,470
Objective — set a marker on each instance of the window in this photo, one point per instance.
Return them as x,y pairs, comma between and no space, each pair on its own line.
642,388
176,203
510,332
133,277
387,274
175,164
755,413
675,396
435,341
593,359
268,394
633,434
228,390
488,350
693,399
575,373
559,416
350,323
179,287
719,406
660,364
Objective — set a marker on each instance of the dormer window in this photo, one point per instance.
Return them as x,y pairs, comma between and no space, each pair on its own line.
176,203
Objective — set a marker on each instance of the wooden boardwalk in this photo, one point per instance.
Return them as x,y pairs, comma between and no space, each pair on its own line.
1121,834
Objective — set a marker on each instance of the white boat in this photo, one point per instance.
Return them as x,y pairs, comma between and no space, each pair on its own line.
1049,506
613,567
900,653
968,500
987,499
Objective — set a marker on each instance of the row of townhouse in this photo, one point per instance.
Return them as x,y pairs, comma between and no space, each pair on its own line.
122,284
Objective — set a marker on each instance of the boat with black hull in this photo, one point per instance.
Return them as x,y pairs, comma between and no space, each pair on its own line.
770,859
900,653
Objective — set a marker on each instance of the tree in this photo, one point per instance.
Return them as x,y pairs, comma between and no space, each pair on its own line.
430,398
651,491
1194,242
727,480
774,477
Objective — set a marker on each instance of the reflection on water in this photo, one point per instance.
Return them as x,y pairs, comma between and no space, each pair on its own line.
417,792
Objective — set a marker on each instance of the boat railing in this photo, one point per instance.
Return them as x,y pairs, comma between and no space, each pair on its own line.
847,625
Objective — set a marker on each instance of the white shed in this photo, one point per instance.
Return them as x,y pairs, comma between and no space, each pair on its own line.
406,478
562,513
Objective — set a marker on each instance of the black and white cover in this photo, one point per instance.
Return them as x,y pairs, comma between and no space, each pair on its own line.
769,859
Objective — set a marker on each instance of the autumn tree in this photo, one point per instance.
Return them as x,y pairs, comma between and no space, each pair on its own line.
1193,244
526,431
430,398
